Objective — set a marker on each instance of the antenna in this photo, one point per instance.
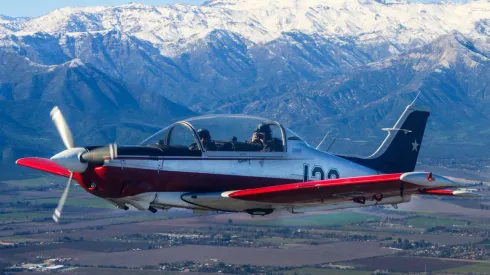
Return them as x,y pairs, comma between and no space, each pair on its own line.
333,141
415,99
321,142
343,138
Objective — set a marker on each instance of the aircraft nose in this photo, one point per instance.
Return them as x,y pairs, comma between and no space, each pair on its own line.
70,159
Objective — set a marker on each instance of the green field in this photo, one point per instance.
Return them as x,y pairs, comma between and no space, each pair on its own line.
24,215
138,217
317,220
118,271
478,268
321,271
424,222
93,202
22,239
35,182
282,241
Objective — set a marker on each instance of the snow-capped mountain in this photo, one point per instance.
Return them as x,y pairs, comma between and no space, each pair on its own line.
340,65
8,24
172,28
452,73
5,19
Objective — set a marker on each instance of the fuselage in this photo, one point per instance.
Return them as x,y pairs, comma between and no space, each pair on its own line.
136,173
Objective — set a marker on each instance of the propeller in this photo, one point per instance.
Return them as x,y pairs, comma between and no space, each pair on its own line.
63,157
75,159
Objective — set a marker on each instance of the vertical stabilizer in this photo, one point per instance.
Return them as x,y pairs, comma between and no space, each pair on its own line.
399,151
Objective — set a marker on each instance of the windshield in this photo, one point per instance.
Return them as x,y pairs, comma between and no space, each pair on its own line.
225,133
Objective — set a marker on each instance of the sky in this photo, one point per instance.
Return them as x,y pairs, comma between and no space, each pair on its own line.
32,8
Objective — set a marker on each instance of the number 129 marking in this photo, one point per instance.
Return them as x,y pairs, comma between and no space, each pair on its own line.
333,173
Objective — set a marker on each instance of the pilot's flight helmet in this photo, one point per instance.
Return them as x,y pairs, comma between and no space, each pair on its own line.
264,128
204,133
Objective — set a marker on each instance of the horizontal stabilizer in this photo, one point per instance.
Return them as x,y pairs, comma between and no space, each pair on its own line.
465,193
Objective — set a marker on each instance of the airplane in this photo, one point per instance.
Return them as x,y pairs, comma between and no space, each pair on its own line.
165,172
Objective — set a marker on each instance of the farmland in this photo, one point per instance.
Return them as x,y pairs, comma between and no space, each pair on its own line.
317,220
94,237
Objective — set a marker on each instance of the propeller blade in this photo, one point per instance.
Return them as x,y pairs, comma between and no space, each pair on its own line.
62,127
61,203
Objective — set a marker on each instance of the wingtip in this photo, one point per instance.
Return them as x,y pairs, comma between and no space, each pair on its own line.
427,179
21,161
43,164
26,161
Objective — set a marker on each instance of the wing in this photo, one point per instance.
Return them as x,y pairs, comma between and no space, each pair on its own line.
324,192
387,184
45,165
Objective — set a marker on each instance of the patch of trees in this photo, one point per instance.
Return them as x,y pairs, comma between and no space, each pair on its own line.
406,244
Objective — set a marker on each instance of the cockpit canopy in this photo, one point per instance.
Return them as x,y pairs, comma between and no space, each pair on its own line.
222,133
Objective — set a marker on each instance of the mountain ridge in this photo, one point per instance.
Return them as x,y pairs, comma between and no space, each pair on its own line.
119,66
173,27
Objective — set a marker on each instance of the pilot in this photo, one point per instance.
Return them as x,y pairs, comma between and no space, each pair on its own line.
206,141
263,141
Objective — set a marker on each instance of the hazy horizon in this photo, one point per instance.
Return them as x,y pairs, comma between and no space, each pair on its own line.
35,8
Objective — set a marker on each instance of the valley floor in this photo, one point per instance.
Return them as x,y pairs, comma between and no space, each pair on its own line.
441,236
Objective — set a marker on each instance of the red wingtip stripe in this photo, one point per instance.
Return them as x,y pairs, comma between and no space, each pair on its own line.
439,192
45,165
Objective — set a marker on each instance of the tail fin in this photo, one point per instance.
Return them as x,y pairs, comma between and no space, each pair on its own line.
399,151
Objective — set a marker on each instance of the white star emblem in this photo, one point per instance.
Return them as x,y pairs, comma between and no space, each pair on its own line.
415,146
